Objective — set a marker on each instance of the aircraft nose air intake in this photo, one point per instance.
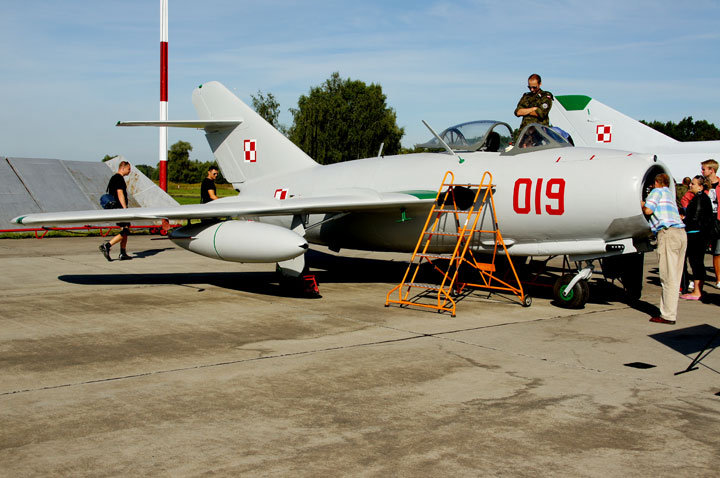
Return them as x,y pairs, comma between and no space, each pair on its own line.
241,241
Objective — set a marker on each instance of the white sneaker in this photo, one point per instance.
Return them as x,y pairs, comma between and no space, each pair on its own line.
691,285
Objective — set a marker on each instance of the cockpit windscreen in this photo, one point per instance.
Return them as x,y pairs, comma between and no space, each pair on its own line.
482,135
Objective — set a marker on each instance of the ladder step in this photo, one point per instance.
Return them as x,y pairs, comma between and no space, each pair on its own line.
431,233
452,210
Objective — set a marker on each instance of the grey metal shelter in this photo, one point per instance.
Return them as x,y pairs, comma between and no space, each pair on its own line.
29,185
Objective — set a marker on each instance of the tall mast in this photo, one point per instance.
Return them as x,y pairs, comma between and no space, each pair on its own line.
163,92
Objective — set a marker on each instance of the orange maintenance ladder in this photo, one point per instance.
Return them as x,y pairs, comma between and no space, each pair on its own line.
452,224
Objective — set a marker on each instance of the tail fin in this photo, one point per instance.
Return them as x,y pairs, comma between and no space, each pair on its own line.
250,150
591,123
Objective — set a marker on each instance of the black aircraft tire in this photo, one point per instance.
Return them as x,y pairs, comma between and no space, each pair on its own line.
577,297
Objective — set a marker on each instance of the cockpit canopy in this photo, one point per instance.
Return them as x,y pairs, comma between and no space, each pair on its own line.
535,137
483,135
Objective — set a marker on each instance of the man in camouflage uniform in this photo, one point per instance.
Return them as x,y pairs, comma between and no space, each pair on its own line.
534,107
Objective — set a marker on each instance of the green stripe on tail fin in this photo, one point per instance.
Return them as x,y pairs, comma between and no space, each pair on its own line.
573,102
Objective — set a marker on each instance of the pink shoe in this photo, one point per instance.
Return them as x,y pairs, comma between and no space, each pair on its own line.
689,297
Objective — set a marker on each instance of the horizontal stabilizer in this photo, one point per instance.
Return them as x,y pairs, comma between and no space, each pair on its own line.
208,126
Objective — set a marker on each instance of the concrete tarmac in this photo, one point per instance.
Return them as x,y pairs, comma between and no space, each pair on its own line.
173,364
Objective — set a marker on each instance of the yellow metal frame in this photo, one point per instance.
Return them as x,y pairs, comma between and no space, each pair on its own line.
450,285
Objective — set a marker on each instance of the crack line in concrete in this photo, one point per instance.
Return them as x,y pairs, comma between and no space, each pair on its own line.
416,335
217,364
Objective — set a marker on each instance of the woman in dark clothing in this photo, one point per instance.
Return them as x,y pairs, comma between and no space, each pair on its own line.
698,225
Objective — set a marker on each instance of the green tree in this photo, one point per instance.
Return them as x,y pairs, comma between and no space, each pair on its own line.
149,171
108,157
413,150
267,107
180,168
686,129
343,120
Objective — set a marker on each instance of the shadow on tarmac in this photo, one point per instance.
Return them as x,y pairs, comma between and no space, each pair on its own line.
330,269
150,252
691,340
255,282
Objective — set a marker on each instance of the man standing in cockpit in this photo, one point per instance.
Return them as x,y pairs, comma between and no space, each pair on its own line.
534,106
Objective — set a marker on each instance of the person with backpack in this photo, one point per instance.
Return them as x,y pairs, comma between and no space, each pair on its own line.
118,189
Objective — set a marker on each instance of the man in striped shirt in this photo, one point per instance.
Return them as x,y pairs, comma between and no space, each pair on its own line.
666,223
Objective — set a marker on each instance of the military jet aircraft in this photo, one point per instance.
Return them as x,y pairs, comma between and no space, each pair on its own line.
595,125
550,198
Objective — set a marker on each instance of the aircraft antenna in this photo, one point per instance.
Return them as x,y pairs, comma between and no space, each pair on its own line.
460,160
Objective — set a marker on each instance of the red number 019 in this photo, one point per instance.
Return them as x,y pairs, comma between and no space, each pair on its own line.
525,196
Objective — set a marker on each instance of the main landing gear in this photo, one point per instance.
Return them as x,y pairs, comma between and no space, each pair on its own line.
296,279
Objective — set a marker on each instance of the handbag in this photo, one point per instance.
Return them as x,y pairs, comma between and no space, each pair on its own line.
107,201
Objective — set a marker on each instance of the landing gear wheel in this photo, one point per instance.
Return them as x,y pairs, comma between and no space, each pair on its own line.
527,301
577,297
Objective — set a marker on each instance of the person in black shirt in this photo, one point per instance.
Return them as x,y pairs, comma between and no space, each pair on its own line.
118,189
207,189
699,220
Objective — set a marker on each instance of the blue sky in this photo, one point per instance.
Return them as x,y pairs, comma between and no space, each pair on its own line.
72,69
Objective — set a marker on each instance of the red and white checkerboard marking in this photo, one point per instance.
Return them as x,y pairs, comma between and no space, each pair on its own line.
281,193
604,133
250,153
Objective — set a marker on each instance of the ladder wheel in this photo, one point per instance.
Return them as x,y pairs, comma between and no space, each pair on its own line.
527,301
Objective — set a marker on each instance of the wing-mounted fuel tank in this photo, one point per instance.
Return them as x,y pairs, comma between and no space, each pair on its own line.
240,241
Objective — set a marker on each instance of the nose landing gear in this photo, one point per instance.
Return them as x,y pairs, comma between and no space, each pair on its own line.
571,292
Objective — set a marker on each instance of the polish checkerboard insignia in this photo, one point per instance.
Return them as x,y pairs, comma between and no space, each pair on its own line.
250,153
604,133
281,193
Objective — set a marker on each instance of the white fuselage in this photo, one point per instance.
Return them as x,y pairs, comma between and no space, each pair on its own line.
557,201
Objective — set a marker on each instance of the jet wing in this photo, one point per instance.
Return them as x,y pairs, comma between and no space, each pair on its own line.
235,207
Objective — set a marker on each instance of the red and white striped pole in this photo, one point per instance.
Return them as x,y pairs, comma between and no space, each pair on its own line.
163,92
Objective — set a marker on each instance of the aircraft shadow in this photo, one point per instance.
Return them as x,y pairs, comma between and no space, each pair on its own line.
255,282
335,269
340,269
